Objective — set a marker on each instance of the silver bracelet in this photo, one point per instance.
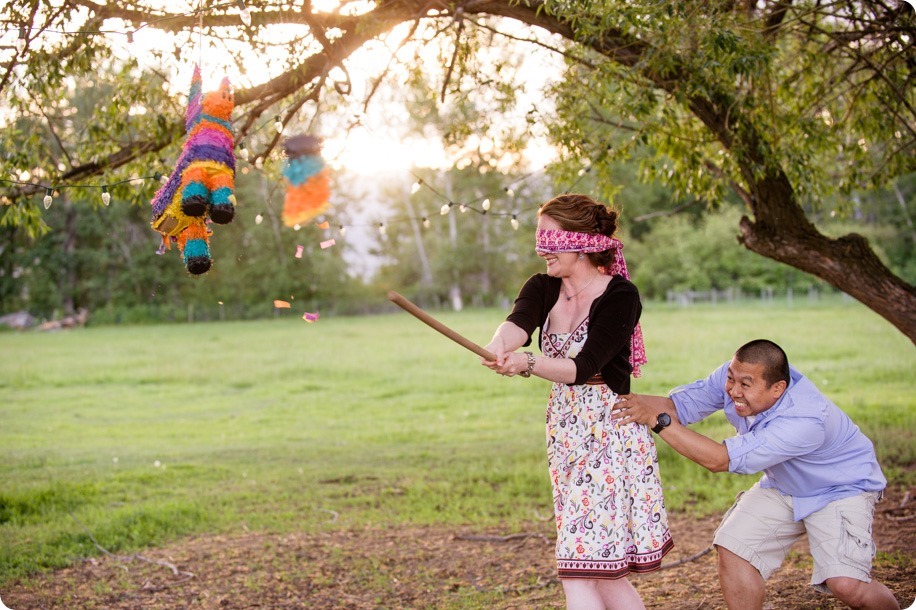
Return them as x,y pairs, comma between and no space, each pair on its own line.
527,373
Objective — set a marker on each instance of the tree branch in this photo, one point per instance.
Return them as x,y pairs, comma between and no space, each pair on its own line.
774,19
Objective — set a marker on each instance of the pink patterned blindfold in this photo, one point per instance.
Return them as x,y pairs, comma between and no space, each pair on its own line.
556,240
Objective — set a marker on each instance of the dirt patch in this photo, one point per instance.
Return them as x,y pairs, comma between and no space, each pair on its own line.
424,568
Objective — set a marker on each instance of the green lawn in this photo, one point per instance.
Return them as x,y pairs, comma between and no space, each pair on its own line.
144,434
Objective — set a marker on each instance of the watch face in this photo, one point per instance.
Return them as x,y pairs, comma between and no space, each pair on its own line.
662,422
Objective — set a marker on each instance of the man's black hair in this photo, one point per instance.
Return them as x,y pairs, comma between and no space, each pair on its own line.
771,356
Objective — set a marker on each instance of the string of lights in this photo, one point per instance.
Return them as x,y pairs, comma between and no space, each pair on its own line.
484,209
51,190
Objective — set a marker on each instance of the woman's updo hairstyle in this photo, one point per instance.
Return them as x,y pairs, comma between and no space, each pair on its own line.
582,214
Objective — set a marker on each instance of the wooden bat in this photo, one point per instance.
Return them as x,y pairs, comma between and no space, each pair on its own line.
430,321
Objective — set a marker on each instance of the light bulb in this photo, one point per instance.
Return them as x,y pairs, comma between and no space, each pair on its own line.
258,219
342,230
510,192
296,227
243,153
278,125
514,223
381,229
463,208
106,196
425,222
48,200
415,188
485,205
444,210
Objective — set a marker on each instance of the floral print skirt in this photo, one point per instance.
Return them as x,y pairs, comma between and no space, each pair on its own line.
607,494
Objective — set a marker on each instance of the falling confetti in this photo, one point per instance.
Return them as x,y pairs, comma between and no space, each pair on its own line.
310,317
281,304
323,225
327,243
299,251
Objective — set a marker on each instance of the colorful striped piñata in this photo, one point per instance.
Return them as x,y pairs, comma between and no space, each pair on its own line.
201,188
307,185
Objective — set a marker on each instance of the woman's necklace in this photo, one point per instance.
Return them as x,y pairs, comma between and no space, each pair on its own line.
581,290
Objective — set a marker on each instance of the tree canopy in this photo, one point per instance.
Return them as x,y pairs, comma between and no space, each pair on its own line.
785,104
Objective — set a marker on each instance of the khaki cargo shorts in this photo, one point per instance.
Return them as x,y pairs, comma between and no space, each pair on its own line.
760,528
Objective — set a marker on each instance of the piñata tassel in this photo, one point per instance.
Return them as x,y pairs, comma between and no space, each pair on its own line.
194,244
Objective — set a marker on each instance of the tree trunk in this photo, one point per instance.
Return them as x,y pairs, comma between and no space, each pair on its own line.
781,231
426,271
847,263
454,289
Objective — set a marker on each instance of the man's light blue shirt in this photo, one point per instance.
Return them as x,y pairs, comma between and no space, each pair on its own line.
805,445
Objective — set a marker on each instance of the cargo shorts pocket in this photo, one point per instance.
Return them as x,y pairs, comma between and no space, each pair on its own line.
856,544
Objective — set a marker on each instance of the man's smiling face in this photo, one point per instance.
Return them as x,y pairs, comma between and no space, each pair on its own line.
749,389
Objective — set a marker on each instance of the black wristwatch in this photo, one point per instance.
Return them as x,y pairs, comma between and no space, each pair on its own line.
663,421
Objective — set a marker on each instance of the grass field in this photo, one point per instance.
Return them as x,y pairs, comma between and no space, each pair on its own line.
139,435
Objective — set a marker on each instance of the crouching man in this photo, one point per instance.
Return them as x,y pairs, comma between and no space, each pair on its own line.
820,475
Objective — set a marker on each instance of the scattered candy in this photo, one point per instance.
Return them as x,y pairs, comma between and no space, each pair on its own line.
310,317
327,243
323,225
281,304
299,251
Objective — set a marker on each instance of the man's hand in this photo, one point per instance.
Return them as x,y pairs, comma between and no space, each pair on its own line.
632,408
642,409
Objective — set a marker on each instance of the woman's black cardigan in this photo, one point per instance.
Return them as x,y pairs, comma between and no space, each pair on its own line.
611,320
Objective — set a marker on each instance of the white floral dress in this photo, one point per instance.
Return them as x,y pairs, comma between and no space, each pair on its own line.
607,494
